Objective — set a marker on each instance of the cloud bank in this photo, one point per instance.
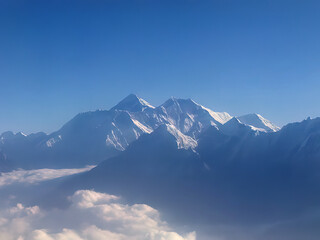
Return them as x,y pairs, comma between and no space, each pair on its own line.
36,176
91,216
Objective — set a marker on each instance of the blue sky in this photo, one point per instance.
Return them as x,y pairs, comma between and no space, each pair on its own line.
58,58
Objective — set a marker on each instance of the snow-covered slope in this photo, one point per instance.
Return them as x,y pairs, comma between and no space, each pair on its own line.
190,117
259,122
183,141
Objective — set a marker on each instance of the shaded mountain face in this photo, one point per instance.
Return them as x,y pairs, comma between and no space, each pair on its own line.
246,178
92,137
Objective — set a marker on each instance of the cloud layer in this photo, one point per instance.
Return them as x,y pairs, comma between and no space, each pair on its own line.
36,176
91,216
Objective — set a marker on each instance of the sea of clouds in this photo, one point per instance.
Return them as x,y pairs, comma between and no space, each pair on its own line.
91,215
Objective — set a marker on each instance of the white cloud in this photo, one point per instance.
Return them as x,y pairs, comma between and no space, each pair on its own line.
36,176
91,216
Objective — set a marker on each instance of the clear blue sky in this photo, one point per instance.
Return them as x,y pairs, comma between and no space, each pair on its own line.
58,58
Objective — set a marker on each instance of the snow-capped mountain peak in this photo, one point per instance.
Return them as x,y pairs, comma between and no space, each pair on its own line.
132,103
190,117
259,122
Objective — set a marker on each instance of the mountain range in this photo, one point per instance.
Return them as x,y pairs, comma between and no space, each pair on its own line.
92,137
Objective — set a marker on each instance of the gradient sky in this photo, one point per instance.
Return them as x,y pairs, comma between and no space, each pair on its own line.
59,58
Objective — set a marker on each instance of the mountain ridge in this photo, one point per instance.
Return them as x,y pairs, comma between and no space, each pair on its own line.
91,137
